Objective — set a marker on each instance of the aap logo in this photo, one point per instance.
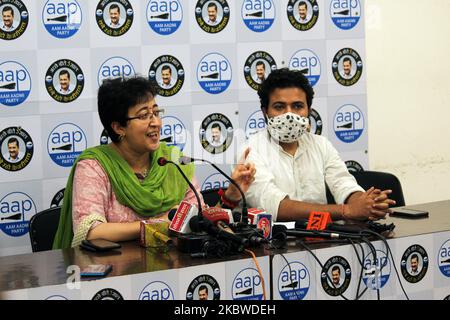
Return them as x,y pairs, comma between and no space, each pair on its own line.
15,19
345,14
247,285
255,123
444,258
376,275
164,16
173,132
214,73
156,290
215,181
294,281
15,83
115,67
65,143
16,210
308,63
258,15
62,19
348,123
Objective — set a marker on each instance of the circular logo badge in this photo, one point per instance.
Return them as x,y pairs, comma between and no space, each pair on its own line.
203,287
255,123
16,149
107,294
303,14
167,73
14,19
104,138
15,83
214,73
212,15
348,123
173,132
62,19
216,133
114,18
58,198
115,67
345,14
347,67
336,276
64,80
294,281
353,166
15,214
444,258
215,181
315,122
65,143
308,63
258,15
257,67
156,290
247,285
376,275
414,264
56,297
164,17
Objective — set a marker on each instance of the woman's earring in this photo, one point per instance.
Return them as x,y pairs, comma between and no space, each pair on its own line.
121,137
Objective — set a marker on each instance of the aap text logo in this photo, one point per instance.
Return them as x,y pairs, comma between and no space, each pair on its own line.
65,143
258,15
376,274
62,19
345,14
115,67
247,285
167,73
16,149
294,281
214,73
255,123
14,19
444,258
156,290
257,67
308,63
348,123
203,287
212,16
215,181
347,67
64,80
114,17
173,132
303,14
15,83
16,210
164,16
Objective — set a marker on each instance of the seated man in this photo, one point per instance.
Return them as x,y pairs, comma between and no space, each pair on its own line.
293,165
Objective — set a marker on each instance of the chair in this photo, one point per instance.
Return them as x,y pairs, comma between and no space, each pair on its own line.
210,196
43,226
377,179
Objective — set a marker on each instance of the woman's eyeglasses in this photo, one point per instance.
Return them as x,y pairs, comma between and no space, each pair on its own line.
148,116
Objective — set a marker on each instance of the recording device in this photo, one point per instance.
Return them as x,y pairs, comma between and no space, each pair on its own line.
408,213
99,245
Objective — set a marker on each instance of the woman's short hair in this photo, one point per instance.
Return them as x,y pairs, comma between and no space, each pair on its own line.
281,79
116,96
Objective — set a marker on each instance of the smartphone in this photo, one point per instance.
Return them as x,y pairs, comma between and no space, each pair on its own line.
409,213
96,270
98,245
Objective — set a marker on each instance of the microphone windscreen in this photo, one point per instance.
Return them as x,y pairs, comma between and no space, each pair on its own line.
278,228
171,214
162,161
215,214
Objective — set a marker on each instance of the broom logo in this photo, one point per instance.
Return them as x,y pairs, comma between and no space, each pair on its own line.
164,17
62,19
345,14
258,15
294,281
348,123
214,73
15,83
17,209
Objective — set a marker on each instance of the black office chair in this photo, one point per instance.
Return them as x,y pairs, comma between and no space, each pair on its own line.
43,226
210,196
378,179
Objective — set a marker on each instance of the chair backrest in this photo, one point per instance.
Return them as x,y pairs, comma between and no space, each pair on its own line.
377,179
211,197
43,226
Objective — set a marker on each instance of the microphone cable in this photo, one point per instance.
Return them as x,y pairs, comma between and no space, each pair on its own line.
252,254
290,273
361,262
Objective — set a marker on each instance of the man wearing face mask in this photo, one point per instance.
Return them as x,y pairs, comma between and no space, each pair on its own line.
292,165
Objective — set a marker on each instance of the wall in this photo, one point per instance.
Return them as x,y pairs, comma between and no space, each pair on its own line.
408,81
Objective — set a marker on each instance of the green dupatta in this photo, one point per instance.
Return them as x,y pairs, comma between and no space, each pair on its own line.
163,188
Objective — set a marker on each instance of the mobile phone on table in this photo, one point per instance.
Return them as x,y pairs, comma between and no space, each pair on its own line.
408,213
96,270
99,245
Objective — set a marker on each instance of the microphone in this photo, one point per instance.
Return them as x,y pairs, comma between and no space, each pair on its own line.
162,162
312,233
244,217
179,218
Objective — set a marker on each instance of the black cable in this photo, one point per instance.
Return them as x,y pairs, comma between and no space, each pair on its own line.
290,273
374,255
361,262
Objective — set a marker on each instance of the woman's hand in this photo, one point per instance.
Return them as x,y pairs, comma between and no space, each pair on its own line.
243,174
